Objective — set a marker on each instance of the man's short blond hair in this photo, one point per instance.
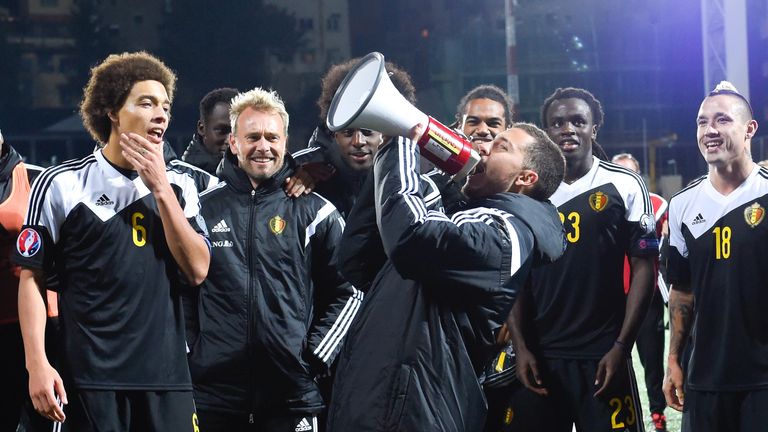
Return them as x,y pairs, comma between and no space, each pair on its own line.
260,100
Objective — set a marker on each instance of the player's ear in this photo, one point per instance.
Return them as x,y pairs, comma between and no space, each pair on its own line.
751,128
527,178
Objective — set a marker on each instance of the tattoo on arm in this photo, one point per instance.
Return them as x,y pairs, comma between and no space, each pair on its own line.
681,310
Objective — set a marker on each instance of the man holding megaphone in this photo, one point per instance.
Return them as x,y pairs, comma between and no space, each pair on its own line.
432,313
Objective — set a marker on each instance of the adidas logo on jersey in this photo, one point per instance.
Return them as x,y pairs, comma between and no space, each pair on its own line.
698,219
303,426
221,227
104,200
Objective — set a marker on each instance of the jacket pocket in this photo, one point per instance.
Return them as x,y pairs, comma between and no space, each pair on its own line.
404,377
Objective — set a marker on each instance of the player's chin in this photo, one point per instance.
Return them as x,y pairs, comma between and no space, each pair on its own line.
472,191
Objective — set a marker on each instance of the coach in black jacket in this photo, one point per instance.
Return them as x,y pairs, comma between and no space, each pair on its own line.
430,320
273,311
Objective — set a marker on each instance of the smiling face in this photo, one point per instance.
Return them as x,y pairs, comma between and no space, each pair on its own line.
259,144
146,112
358,147
483,120
501,165
724,131
216,128
571,126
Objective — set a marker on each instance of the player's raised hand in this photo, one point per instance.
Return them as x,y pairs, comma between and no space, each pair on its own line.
306,177
146,158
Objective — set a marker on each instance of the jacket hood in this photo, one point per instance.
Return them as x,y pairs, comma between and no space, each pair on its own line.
8,161
540,217
238,179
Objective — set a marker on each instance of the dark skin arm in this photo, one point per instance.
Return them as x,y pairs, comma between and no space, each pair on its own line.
527,366
640,291
306,177
681,312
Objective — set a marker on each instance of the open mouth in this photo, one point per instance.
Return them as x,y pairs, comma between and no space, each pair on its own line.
713,145
155,135
262,160
480,138
479,169
568,144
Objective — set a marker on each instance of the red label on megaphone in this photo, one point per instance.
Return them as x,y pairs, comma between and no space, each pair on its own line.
447,150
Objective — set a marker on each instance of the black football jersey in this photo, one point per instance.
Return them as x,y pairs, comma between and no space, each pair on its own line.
579,299
120,311
716,248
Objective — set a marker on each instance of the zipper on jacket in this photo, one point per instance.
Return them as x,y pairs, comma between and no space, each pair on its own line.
249,296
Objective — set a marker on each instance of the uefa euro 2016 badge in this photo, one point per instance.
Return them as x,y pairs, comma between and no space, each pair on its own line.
598,201
277,225
754,214
28,243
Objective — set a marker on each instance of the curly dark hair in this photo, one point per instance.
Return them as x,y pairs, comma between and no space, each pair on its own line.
335,75
216,96
598,115
112,81
487,91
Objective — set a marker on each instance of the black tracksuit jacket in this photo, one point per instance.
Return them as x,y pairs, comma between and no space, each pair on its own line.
427,328
273,311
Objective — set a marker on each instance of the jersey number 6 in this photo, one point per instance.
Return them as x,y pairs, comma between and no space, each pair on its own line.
138,231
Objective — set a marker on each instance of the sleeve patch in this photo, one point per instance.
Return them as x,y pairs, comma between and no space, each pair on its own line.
29,243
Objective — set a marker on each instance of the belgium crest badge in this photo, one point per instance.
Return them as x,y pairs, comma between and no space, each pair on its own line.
598,201
277,225
754,214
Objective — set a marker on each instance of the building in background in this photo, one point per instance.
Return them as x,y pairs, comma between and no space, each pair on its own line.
326,41
642,58
38,32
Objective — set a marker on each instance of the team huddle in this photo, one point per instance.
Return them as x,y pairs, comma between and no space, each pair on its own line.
349,287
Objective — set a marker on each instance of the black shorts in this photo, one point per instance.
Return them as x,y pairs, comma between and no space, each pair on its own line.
214,421
571,385
727,411
129,410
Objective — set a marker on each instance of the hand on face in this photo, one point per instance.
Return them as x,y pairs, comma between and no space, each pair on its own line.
146,158
140,125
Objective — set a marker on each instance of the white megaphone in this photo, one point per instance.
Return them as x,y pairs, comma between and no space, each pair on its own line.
367,99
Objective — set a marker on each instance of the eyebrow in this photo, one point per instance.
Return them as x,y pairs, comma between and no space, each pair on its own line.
478,117
153,98
717,114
